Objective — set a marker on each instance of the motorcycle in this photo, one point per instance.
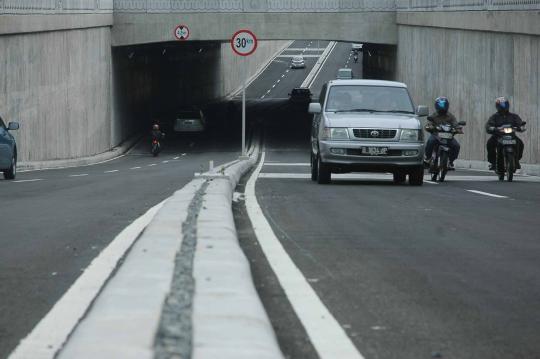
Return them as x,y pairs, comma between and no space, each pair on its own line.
441,152
156,147
507,151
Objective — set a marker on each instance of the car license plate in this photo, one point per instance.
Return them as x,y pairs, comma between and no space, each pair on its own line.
445,135
508,142
374,151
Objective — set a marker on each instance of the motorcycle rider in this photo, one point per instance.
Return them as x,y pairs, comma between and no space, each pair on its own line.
503,116
156,132
441,116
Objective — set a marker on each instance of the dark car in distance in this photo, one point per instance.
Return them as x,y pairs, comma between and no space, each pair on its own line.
8,149
300,95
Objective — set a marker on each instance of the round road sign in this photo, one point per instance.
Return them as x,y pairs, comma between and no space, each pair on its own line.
181,32
244,42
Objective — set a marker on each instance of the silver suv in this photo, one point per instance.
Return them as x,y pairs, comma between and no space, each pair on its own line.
366,126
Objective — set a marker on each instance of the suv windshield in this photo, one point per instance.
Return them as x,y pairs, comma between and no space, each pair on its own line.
355,98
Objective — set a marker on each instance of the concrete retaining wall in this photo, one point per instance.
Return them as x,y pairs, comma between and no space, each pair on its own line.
57,85
472,68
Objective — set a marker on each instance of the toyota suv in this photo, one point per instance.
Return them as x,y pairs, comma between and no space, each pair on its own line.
367,126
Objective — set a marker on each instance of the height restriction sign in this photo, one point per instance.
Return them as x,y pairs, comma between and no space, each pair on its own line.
181,32
244,42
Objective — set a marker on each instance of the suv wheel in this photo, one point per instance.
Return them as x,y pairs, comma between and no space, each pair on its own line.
314,168
12,171
323,172
416,177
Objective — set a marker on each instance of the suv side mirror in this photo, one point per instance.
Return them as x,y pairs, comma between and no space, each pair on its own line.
13,126
314,107
422,111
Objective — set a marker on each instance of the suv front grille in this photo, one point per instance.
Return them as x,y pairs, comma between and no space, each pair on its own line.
374,133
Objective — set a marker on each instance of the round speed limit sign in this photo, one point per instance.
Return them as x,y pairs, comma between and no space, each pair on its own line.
244,42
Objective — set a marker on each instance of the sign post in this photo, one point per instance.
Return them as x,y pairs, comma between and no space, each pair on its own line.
244,43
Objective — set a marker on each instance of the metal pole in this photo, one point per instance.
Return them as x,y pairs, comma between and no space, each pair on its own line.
244,112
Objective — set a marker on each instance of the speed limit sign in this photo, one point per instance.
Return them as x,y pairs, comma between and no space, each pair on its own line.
244,42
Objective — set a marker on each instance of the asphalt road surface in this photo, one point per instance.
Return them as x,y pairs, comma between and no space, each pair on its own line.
445,270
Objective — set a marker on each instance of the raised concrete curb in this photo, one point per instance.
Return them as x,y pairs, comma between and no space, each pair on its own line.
227,316
83,161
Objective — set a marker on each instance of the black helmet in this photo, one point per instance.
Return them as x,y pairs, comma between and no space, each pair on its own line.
442,104
502,104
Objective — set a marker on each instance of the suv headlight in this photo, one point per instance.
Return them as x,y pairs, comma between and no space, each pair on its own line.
409,135
336,133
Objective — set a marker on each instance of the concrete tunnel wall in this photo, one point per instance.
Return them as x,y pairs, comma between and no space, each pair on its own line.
57,86
472,68
72,100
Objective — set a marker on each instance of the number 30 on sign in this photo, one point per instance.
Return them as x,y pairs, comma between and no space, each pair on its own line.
244,42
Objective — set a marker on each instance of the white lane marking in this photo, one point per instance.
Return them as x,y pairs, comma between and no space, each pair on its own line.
164,161
286,164
134,168
274,85
49,335
111,171
317,68
327,336
282,76
287,70
429,181
262,97
183,154
278,81
153,164
292,55
486,193
30,180
79,175
176,158
268,91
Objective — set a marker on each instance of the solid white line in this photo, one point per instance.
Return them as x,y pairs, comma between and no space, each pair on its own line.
111,171
485,193
308,49
316,70
292,55
286,164
79,175
49,335
30,180
134,168
327,336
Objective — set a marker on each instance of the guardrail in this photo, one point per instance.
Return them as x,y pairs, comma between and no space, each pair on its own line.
466,5
15,7
253,5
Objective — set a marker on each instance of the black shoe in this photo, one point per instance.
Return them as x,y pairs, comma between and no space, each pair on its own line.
518,165
492,167
451,166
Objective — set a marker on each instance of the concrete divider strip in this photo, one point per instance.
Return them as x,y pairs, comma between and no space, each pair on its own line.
318,65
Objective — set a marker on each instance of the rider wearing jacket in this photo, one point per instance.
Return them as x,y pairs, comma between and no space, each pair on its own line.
441,117
503,116
156,133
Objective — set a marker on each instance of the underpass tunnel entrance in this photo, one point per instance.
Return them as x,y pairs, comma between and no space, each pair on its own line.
153,82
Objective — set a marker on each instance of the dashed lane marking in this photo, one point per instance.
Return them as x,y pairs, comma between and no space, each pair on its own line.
79,175
111,171
29,180
152,164
164,161
303,164
176,158
134,168
485,193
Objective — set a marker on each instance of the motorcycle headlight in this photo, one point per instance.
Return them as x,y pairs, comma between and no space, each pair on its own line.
409,135
508,130
336,133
